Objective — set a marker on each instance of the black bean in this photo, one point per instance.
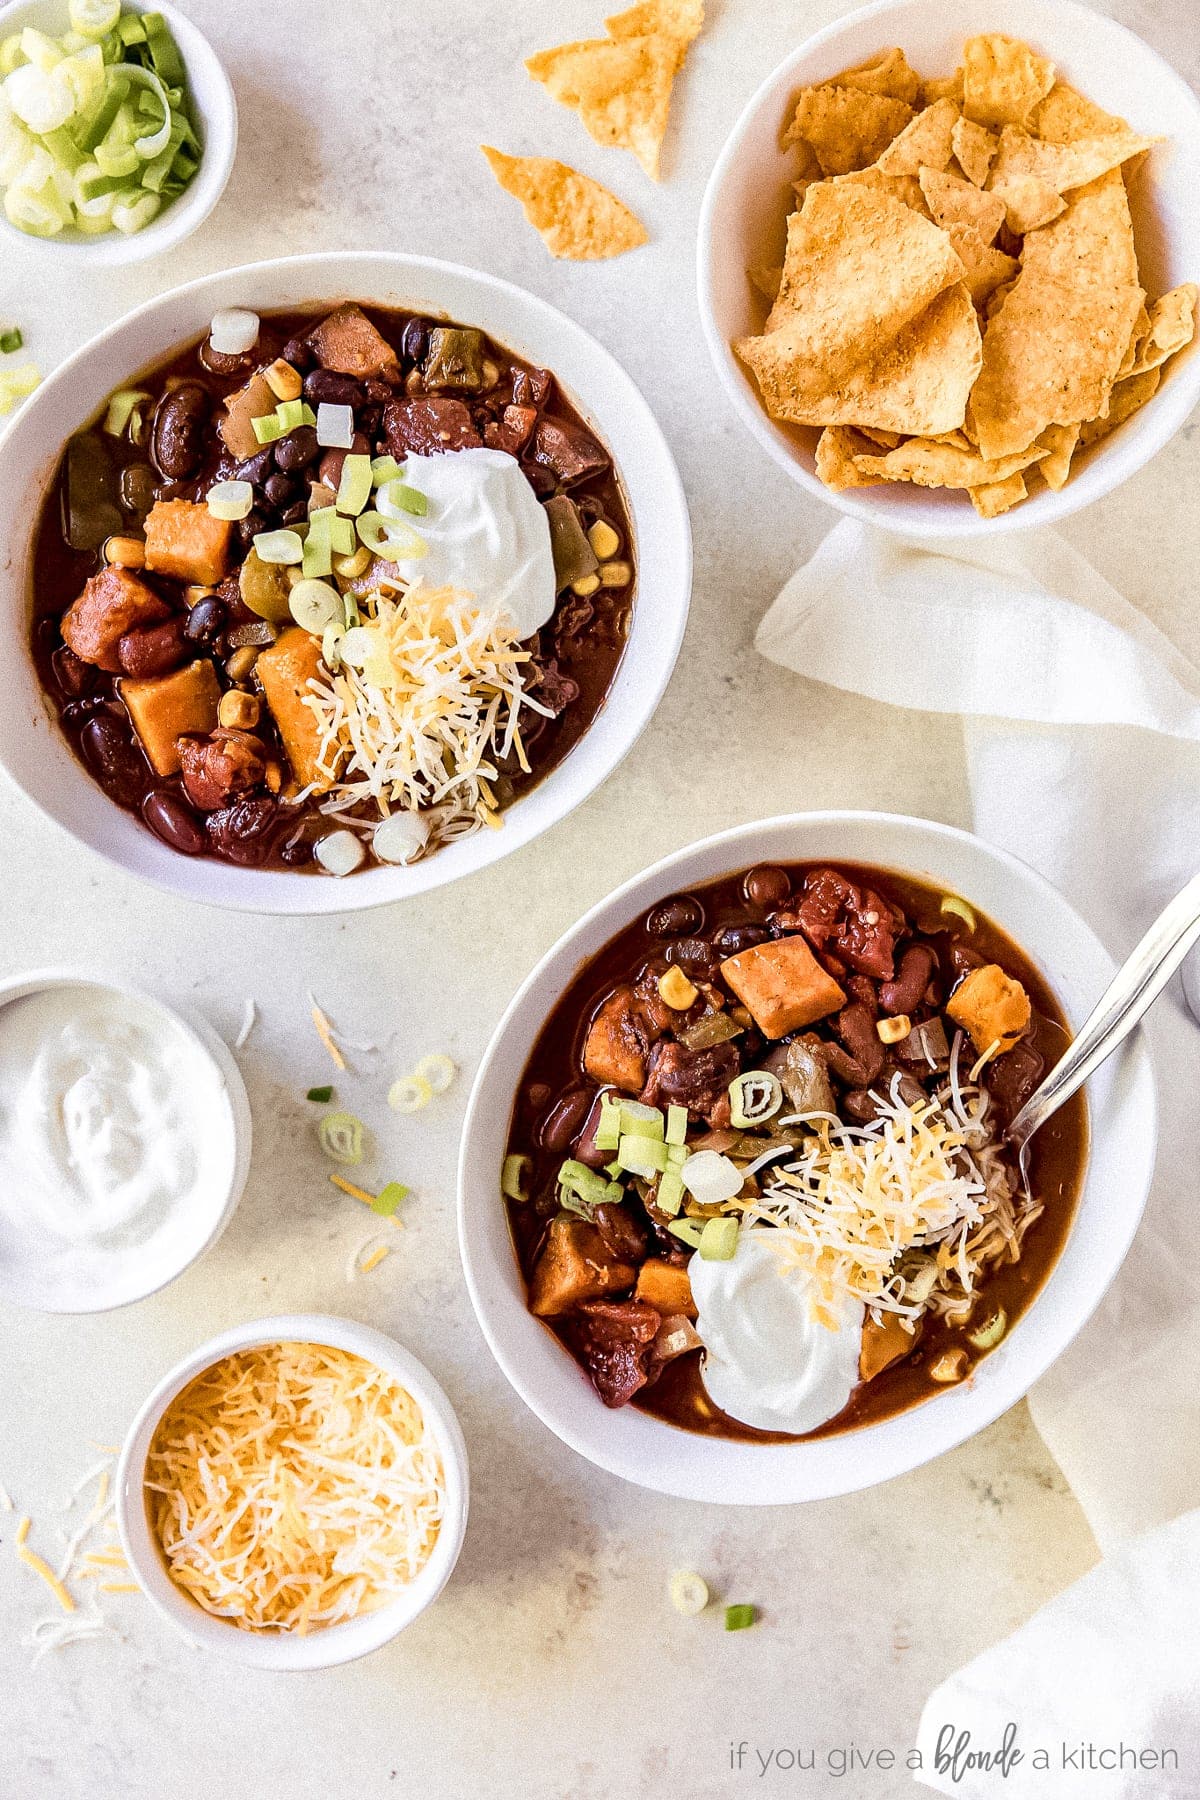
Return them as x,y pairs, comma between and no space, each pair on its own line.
767,886
248,528
378,393
298,352
693,954
109,749
279,490
682,917
296,850
177,436
325,385
171,819
736,938
297,450
206,621
137,487
256,468
297,513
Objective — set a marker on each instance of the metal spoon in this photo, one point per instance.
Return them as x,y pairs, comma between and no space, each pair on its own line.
1132,991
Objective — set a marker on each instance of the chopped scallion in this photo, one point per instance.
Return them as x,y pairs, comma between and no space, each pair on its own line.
388,1198
320,1096
354,488
11,341
739,1618
341,1138
514,1177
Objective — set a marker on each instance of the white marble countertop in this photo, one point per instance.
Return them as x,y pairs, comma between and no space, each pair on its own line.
553,1667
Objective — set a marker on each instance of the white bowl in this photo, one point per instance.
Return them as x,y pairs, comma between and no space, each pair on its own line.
214,115
748,196
200,1231
654,1454
335,1644
33,749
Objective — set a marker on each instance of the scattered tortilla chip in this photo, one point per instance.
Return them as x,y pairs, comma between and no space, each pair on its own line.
949,87
1059,443
846,127
1170,325
985,268
924,142
1124,400
1065,115
1061,167
1051,354
997,497
943,465
974,148
837,448
954,202
621,85
1003,79
577,217
1029,204
889,76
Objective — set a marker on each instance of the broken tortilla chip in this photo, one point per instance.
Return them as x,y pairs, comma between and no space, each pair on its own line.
1003,79
846,127
996,497
984,267
943,465
577,218
889,76
954,202
974,148
1170,326
947,87
1059,443
919,383
765,279
666,18
1066,115
837,448
904,188
924,142
1028,203
1124,400
1141,326
1061,167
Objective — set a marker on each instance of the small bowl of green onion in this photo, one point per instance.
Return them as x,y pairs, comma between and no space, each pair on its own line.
118,128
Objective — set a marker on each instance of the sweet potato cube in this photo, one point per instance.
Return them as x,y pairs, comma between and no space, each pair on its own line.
285,670
614,1051
575,1265
186,542
164,708
782,985
992,1007
348,342
883,1345
236,425
113,602
666,1288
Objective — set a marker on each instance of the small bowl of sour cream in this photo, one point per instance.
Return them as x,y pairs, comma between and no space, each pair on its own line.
124,1142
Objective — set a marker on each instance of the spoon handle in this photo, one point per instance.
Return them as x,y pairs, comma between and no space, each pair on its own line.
1136,985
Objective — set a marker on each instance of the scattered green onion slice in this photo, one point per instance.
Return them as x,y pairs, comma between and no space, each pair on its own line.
341,1136
389,538
16,383
318,548
754,1098
960,910
354,487
608,1126
640,1120
315,605
395,498
718,1240
230,500
388,1198
739,1618
409,1094
11,341
711,1178
669,1195
581,1190
331,647
514,1177
689,1593
645,1156
279,546
341,535
437,1070
687,1231
385,468
321,1096
988,1335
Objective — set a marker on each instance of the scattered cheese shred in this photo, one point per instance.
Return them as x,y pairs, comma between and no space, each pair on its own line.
325,1033
376,1257
119,1587
42,1568
293,1486
6,1499
363,1194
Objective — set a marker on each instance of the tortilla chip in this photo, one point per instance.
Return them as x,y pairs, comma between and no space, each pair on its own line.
1003,79
1141,326
765,279
920,382
1059,443
837,448
577,217
1028,204
947,87
1066,115
889,76
1061,167
1170,325
985,267
997,497
886,440
621,85
954,202
924,142
1051,354
904,188
997,298
1124,400
974,148
941,465
846,128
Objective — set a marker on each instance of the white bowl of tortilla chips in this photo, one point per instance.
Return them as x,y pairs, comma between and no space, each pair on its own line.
925,191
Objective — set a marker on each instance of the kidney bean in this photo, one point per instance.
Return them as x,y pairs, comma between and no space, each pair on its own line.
414,341
255,469
904,993
681,917
109,749
76,711
242,832
564,1120
736,938
177,435
337,390
694,954
155,650
330,471
279,490
298,352
73,675
767,886
217,362
297,450
586,1150
174,822
205,622
137,487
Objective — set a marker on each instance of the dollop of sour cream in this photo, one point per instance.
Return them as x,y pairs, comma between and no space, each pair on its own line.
767,1361
487,533
117,1143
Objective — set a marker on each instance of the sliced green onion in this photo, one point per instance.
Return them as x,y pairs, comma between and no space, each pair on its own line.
354,488
318,546
581,1189
230,500
341,535
279,546
689,1593
320,1095
121,408
988,1335
388,1199
409,1094
754,1098
390,539
960,910
514,1177
94,18
739,1618
290,414
608,1126
341,1136
438,1070
677,1124
385,468
718,1240
116,159
41,99
687,1231
640,1120
130,29
10,53
134,215
268,428
16,383
331,647
11,341
669,1195
315,605
41,212
395,498
643,1156
711,1178
41,50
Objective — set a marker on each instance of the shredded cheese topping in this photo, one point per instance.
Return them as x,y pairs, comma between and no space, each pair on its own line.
425,703
294,1486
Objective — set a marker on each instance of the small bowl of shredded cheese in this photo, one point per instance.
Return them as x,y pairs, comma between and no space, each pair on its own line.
295,1493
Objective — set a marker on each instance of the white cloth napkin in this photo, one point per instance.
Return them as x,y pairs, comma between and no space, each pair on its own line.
1082,740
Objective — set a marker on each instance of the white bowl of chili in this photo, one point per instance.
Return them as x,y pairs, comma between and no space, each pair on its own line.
1117,1164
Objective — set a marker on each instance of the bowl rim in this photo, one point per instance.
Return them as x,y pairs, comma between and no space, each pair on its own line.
240,1123
188,211
1156,423
588,764
950,1428
335,1644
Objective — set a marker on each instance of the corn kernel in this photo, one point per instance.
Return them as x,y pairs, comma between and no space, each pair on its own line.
238,711
283,381
892,1030
125,552
351,567
194,595
274,778
616,574
949,1367
603,539
242,662
677,990
585,586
